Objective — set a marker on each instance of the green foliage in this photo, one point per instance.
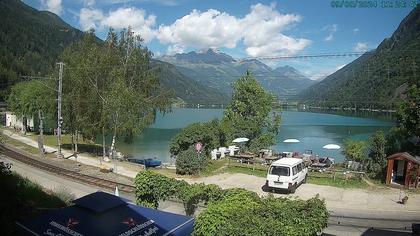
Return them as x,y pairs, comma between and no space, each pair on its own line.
27,98
152,188
190,162
111,87
209,134
21,199
243,211
376,162
354,150
30,42
250,114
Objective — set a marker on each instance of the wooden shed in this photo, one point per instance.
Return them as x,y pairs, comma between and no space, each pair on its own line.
403,170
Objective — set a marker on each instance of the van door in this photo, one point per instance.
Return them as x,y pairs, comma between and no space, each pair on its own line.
295,173
300,173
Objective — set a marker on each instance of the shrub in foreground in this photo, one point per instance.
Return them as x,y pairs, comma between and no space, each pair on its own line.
250,215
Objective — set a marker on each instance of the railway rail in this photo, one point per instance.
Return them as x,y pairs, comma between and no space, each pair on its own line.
88,179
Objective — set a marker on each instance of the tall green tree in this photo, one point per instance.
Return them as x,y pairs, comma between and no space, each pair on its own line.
135,93
376,153
33,98
110,87
251,114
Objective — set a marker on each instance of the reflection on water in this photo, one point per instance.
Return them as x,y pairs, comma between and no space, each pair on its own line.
314,130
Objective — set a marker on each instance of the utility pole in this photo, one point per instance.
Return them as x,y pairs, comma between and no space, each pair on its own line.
59,118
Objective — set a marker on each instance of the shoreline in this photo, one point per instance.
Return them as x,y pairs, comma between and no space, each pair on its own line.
371,199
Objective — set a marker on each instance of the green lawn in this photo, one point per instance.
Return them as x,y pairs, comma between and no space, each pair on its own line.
337,182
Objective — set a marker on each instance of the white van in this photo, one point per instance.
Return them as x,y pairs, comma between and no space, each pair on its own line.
286,173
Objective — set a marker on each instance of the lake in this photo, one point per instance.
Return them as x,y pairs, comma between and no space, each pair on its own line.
313,129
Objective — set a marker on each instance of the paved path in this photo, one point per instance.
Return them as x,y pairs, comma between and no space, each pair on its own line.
82,158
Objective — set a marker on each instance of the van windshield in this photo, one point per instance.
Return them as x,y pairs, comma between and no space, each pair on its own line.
280,170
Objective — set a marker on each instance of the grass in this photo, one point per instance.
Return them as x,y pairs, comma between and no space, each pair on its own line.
246,170
337,182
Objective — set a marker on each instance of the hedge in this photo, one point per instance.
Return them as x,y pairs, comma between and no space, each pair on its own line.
234,210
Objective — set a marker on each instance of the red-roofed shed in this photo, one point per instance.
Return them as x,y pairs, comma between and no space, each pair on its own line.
403,170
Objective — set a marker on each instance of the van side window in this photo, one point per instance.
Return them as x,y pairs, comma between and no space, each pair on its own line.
295,170
299,167
303,165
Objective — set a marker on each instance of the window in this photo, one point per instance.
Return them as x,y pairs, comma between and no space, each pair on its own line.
299,167
303,165
295,170
279,170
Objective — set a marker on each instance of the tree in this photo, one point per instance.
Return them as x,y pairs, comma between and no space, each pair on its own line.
377,156
251,114
33,98
209,134
408,116
111,88
354,150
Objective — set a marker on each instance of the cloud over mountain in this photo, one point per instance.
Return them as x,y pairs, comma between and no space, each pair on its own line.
261,31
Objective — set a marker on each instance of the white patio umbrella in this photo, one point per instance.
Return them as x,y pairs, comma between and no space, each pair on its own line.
331,146
240,140
291,140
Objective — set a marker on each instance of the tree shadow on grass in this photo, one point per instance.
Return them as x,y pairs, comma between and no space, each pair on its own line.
87,148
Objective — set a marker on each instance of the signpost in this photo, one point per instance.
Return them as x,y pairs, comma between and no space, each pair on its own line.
198,147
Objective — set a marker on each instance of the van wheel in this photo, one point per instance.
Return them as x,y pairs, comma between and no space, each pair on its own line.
293,189
304,180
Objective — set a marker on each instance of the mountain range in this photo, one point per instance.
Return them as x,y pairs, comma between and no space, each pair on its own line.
218,70
378,78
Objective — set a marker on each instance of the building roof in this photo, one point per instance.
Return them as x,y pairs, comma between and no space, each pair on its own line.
287,161
405,155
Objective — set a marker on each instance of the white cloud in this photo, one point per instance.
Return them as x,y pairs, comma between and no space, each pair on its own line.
174,49
137,19
261,31
355,30
90,18
331,32
54,6
202,29
360,47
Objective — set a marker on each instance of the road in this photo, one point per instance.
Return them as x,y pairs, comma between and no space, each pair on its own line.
344,222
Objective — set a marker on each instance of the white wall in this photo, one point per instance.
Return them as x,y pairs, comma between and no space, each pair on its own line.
13,121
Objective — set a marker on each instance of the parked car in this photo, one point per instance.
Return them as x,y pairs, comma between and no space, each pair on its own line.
287,174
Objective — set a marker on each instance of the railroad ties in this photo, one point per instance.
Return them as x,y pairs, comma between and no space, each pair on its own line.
88,179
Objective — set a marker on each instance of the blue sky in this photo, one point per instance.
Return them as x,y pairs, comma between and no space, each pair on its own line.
242,28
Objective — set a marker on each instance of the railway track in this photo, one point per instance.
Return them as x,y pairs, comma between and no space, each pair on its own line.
79,177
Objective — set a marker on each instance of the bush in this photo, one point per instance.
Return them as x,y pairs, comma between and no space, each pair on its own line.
243,211
189,162
150,188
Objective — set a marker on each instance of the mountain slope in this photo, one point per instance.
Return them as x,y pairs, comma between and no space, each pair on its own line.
30,41
185,88
377,78
219,70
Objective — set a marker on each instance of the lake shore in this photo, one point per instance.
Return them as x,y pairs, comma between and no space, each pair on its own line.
367,199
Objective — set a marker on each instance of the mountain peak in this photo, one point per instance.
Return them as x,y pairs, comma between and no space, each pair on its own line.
209,55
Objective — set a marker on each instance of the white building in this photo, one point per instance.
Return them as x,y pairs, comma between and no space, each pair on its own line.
13,121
